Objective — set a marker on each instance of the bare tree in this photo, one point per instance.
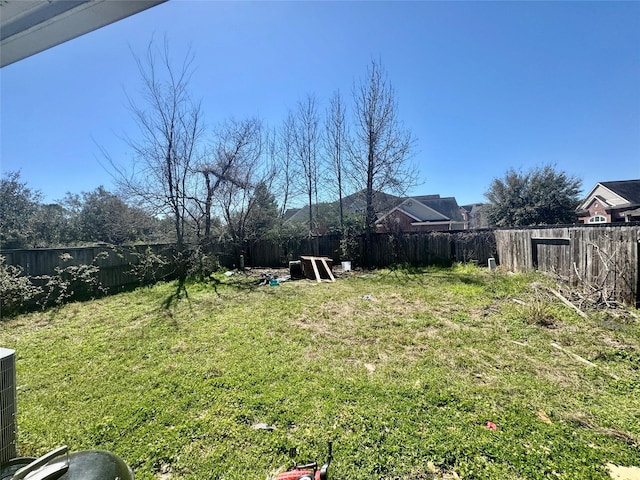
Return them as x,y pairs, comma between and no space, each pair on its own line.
170,128
335,141
232,163
236,171
306,142
381,150
287,171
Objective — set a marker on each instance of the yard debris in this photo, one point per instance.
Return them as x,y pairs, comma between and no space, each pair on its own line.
543,417
263,426
272,279
165,472
573,355
450,476
623,473
491,426
320,267
625,437
368,297
437,474
370,368
582,360
564,300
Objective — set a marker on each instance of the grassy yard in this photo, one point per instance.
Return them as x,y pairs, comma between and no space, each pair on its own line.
401,369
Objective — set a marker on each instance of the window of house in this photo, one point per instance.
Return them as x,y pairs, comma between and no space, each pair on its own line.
597,219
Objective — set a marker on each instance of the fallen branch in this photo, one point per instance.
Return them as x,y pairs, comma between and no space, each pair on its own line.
581,359
573,355
564,300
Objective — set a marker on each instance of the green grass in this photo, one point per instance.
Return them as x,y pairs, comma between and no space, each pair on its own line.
401,369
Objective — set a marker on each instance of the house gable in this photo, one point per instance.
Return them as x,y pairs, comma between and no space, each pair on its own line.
628,190
611,202
613,194
423,213
420,211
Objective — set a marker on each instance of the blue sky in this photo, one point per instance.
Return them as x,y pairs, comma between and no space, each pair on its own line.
483,86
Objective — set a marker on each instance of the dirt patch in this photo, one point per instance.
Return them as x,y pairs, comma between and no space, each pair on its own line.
623,473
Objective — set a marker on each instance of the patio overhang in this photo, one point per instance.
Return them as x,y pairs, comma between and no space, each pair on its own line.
31,26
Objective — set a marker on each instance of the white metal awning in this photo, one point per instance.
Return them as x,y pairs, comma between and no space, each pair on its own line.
31,26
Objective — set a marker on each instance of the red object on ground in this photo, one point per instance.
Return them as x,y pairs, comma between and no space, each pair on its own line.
296,474
491,426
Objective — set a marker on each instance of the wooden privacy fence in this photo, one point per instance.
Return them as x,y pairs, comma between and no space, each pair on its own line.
601,260
427,248
271,253
114,263
431,248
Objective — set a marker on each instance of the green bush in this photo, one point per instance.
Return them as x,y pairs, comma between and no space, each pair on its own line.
74,282
16,290
19,293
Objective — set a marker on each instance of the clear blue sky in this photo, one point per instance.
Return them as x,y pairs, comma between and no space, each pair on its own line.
483,86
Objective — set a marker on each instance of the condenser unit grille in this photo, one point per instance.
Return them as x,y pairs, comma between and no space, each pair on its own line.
7,404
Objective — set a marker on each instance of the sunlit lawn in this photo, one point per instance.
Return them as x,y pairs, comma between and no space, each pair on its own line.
401,369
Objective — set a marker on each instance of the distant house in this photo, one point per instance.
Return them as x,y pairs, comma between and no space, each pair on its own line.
475,215
326,214
611,202
421,213
424,213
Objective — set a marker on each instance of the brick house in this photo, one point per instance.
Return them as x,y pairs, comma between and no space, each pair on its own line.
423,213
611,202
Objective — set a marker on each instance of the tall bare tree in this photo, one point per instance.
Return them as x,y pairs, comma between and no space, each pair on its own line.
170,128
306,144
335,142
286,168
236,172
381,151
278,156
231,164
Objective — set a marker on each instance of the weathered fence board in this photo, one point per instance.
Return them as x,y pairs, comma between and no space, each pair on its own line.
601,260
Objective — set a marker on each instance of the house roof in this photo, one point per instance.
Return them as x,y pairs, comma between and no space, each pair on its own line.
615,194
291,213
357,202
447,206
429,208
354,203
627,189
421,208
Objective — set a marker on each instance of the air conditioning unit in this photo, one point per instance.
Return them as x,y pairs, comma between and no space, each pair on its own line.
8,402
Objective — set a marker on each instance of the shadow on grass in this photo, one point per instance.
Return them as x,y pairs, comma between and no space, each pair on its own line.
247,282
180,293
